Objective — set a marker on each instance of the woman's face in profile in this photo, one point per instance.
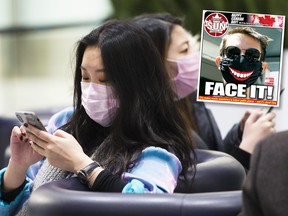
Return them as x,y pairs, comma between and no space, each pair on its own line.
180,46
180,43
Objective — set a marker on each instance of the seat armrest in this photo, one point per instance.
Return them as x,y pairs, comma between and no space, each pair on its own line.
69,197
215,171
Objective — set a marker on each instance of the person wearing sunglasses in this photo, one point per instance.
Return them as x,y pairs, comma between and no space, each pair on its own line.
242,56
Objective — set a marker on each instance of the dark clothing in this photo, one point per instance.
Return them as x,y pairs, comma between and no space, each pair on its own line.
207,126
242,156
209,130
265,190
209,135
11,195
106,181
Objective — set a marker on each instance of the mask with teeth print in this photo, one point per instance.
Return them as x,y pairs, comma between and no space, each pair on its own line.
240,70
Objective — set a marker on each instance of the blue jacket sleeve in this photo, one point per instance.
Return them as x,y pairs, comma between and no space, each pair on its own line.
13,207
155,171
59,119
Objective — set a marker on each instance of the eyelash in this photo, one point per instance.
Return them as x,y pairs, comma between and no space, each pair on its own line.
85,78
103,81
184,51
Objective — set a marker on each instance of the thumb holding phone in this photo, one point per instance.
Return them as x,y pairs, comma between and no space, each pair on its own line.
22,156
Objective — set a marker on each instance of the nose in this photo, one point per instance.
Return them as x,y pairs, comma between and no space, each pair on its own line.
242,52
242,57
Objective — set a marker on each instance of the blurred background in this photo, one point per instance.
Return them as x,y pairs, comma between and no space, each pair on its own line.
38,37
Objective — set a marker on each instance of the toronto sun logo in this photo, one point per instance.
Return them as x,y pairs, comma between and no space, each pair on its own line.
216,24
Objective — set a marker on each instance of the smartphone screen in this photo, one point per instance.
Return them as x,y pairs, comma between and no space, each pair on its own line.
30,118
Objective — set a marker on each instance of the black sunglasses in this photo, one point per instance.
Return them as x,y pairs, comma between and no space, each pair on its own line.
251,54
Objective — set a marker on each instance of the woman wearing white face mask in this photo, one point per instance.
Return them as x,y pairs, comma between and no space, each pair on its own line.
179,51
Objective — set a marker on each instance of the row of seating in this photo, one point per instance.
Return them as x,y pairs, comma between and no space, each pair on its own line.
216,190
69,197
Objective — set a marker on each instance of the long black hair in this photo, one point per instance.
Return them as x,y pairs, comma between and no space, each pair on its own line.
147,115
159,27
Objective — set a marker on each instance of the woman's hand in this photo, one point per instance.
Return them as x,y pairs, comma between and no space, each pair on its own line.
22,156
21,151
61,149
257,126
244,118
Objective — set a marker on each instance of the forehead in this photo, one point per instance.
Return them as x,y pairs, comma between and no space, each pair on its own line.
242,41
92,57
178,35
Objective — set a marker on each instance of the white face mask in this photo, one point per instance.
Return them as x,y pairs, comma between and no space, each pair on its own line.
98,102
187,70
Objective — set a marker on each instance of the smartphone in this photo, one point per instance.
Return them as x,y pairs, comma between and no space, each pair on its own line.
271,108
30,118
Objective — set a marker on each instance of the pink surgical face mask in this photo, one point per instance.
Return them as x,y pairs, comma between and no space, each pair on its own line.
186,74
98,102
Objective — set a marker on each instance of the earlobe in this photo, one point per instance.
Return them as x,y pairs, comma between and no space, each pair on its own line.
217,62
264,67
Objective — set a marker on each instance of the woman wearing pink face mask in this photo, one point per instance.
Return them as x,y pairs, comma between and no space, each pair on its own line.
179,51
122,134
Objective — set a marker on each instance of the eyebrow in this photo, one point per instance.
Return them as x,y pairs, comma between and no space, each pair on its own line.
97,70
184,43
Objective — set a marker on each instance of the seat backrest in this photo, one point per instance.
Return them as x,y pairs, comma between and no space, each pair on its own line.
70,197
6,126
216,171
218,175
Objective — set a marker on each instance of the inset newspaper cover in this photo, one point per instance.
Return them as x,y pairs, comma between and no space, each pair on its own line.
241,58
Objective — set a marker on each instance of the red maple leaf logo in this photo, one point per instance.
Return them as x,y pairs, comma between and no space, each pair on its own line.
267,20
